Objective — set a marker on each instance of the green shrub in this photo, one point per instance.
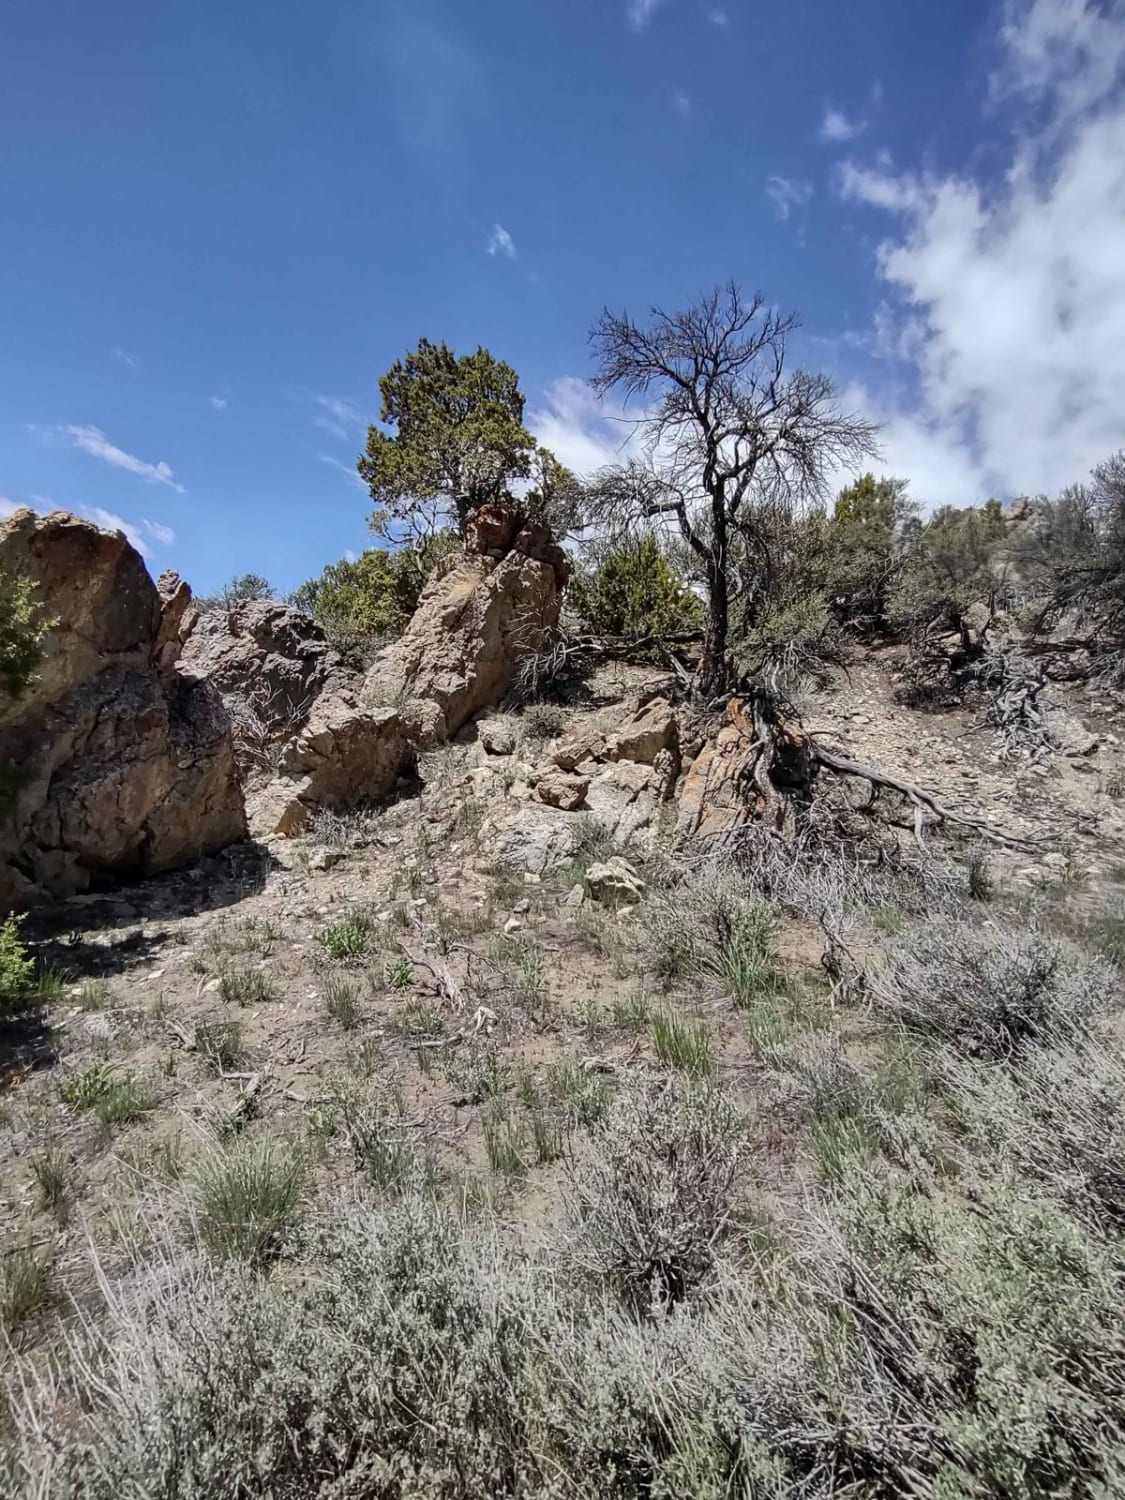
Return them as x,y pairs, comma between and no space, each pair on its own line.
633,590
372,597
17,967
349,938
22,628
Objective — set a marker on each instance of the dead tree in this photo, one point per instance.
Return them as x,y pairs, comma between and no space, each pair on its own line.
728,437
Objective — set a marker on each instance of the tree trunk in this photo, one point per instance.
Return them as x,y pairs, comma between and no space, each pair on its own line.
711,678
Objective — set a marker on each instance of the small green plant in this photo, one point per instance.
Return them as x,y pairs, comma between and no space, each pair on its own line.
245,986
245,1197
16,966
380,1140
94,994
85,1089
51,1170
398,973
341,1000
745,958
349,938
219,1043
25,1289
684,1043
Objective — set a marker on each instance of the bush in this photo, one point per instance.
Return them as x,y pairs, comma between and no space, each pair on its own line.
713,923
368,599
653,1198
22,629
239,590
989,992
17,967
633,590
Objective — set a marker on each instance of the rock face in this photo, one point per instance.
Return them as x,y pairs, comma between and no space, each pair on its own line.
116,764
269,657
343,756
480,613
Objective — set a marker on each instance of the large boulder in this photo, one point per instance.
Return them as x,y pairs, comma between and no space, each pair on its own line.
268,659
345,755
481,612
113,763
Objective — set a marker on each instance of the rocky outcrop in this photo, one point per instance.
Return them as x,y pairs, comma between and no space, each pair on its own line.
268,657
114,762
344,755
481,612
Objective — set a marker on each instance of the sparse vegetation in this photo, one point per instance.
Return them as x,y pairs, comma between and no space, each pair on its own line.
683,1042
243,986
349,938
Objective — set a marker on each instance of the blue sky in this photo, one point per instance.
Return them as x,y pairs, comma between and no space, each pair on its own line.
221,223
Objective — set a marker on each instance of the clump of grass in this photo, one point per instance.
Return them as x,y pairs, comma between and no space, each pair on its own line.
50,981
418,1019
341,1000
113,1099
713,923
94,994
381,1141
582,1093
683,1042
245,1197
54,1182
633,1011
239,986
348,938
502,1143
1107,931
398,973
219,1043
25,1289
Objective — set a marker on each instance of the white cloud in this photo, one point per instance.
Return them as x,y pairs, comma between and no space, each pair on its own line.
786,194
1007,299
340,417
1067,53
582,432
92,440
129,360
500,242
835,128
682,104
218,402
159,532
350,555
718,18
348,469
640,12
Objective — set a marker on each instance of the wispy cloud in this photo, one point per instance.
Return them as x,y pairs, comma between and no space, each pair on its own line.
681,104
159,532
640,12
108,520
348,469
1006,295
718,18
836,128
219,403
92,440
125,358
337,415
786,194
500,242
584,433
